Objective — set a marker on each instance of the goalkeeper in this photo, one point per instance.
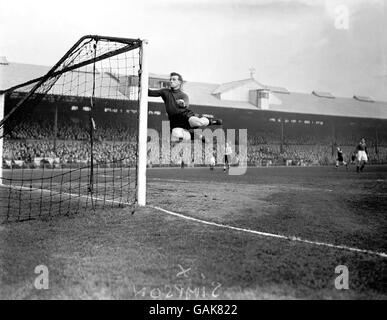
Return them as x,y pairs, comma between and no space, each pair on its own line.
181,118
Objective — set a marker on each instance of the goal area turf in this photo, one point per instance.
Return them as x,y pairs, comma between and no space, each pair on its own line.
274,233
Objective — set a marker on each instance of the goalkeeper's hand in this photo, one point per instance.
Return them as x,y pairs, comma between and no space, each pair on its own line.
181,103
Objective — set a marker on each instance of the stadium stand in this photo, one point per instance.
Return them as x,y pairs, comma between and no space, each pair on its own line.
297,128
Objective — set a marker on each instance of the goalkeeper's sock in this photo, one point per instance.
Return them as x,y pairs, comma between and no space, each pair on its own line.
201,137
215,122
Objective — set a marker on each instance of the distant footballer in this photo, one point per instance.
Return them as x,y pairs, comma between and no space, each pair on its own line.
212,162
340,159
227,156
361,155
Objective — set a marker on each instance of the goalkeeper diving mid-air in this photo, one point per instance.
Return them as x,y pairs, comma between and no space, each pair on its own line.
182,119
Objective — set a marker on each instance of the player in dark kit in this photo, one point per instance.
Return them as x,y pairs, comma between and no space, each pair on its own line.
340,159
181,118
353,158
361,155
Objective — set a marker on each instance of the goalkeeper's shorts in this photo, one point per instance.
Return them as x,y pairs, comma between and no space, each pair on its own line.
180,134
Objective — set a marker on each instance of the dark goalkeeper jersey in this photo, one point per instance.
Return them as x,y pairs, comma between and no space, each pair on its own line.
177,115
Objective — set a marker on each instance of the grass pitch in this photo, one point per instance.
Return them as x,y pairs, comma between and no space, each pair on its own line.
113,254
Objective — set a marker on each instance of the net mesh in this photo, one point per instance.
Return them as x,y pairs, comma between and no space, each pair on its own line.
70,137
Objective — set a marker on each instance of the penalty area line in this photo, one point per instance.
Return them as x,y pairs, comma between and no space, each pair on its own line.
272,235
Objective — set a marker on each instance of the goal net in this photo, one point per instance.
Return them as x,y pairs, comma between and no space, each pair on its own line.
70,139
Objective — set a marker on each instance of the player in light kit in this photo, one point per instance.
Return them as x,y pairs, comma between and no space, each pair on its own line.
227,156
340,159
212,162
361,155
182,119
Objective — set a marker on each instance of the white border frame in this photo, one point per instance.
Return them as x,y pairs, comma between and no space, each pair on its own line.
2,105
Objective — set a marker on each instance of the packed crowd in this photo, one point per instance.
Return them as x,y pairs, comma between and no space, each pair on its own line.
292,154
301,154
78,152
107,128
69,152
116,140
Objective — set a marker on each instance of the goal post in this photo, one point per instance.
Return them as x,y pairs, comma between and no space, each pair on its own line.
143,126
76,137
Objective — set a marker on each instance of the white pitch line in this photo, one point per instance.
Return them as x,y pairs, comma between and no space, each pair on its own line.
173,180
272,235
225,226
52,192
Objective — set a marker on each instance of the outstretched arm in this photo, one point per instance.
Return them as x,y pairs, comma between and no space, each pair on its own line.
154,93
